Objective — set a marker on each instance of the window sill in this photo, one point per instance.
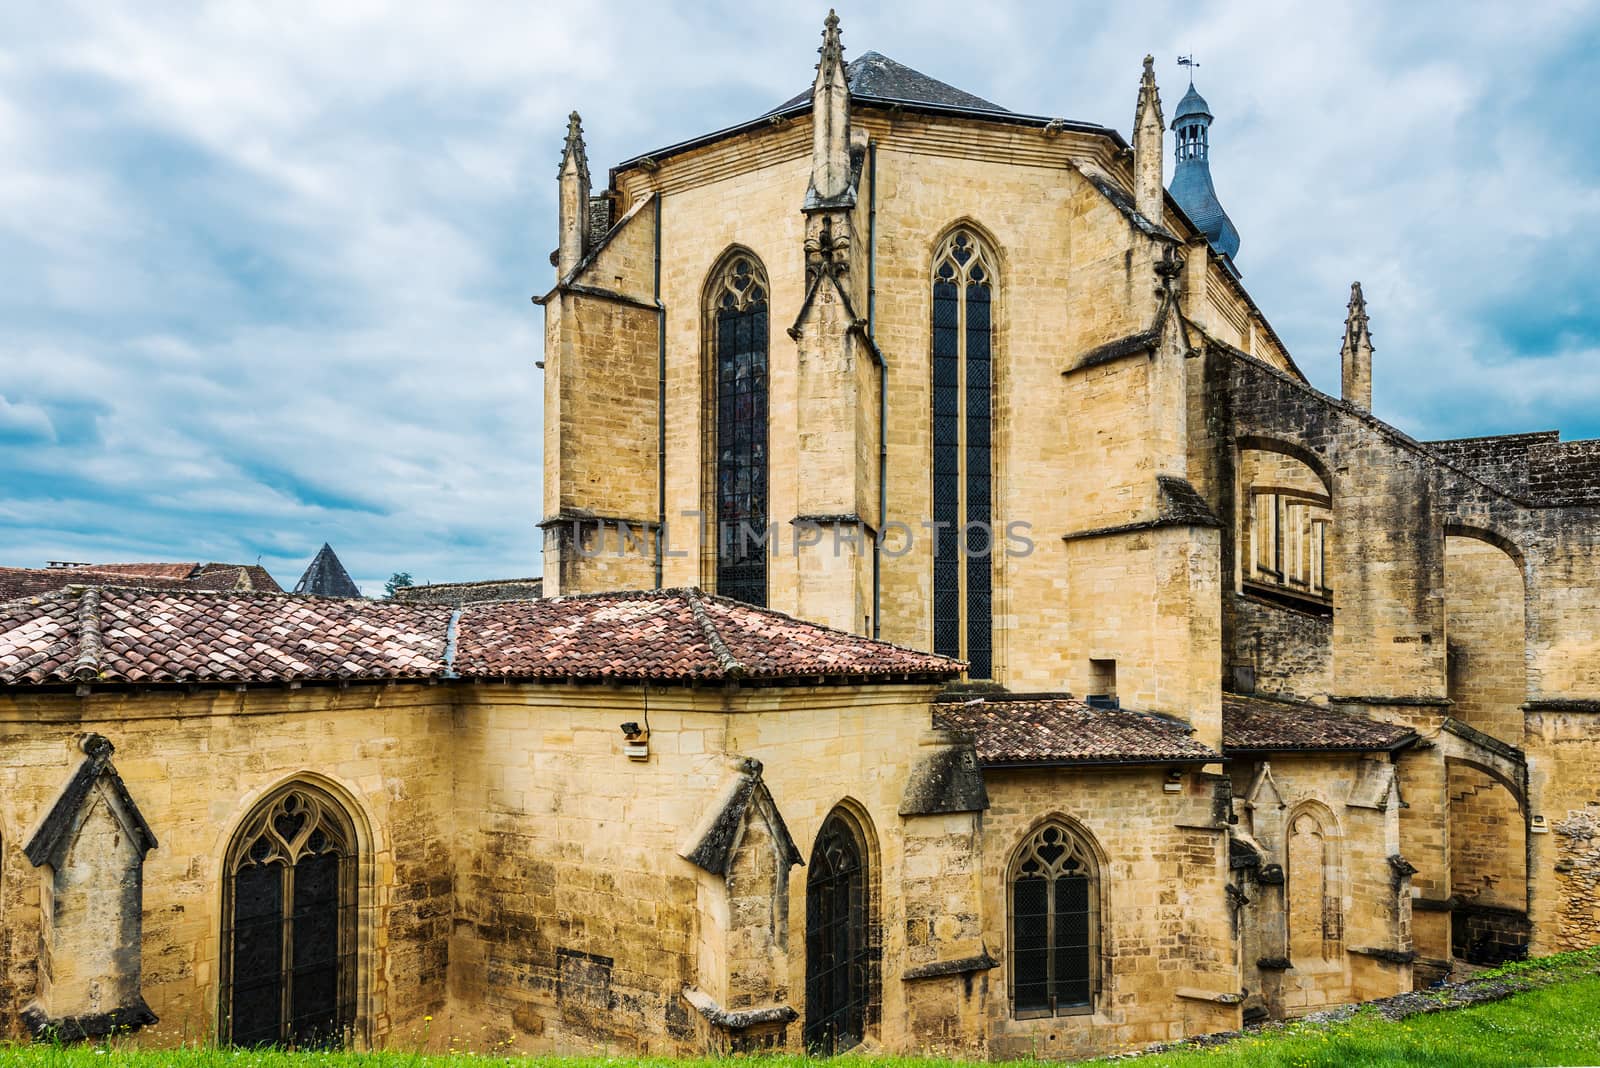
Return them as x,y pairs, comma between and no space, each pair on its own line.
1045,1014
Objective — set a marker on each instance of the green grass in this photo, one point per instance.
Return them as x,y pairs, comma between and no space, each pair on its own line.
1556,1023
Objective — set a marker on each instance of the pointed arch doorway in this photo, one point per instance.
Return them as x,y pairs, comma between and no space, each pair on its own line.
838,937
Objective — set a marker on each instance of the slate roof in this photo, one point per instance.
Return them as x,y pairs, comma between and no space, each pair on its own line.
152,636
1192,104
1267,725
874,76
31,581
325,576
1020,730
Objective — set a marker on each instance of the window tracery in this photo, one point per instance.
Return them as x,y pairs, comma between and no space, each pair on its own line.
1055,925
289,935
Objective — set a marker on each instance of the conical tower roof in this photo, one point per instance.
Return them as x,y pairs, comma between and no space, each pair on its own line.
326,577
1191,106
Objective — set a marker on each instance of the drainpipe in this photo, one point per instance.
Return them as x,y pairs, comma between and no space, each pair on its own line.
883,392
661,402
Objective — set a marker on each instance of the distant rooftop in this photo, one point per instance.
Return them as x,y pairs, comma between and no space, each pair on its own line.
326,576
18,582
460,593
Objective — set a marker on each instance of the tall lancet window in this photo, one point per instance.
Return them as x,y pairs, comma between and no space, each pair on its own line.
738,329
963,298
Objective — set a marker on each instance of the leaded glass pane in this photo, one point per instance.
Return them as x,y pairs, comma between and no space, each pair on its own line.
741,406
257,954
962,474
1030,952
1072,941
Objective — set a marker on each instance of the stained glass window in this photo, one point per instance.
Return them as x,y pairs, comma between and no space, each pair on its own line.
289,925
1055,917
739,316
962,467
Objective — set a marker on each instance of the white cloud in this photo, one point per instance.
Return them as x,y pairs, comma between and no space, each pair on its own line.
264,268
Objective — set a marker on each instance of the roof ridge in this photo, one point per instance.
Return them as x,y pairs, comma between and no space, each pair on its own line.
87,666
725,659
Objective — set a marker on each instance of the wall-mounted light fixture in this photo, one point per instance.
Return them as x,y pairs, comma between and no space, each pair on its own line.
1539,826
635,741
1174,783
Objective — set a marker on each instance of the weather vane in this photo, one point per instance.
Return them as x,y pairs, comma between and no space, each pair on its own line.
1190,62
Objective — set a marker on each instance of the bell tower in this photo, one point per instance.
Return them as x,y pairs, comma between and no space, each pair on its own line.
1191,180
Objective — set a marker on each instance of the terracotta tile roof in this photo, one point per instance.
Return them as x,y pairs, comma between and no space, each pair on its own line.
671,634
1264,724
29,581
124,635
155,571
1014,730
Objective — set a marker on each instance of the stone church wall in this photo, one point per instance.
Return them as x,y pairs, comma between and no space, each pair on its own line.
1485,630
1333,925
195,765
1290,652
580,923
1564,862
1168,961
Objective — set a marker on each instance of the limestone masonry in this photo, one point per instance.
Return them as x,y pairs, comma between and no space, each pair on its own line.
962,628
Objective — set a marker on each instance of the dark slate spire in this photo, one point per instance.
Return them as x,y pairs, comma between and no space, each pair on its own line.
1191,182
326,577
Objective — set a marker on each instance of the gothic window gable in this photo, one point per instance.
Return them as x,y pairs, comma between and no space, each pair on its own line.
90,848
1053,892
738,325
719,835
964,281
289,916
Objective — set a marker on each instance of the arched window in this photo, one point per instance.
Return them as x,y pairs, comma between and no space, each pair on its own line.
1055,925
738,328
838,937
963,299
289,932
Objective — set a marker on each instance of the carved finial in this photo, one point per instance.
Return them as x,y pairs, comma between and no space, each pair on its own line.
573,150
572,201
831,47
1149,132
1149,94
830,117
1355,354
1357,333
1357,306
97,746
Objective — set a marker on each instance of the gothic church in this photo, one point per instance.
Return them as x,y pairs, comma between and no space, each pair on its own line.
966,631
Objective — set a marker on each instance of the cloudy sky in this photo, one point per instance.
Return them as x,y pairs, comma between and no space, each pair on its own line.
265,267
